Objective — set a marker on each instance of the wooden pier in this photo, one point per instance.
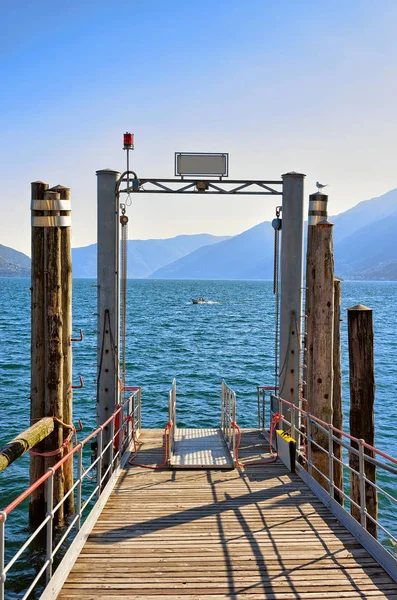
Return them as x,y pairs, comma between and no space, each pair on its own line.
250,533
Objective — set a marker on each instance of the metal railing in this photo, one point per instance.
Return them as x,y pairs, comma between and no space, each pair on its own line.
261,393
228,419
98,477
324,485
171,420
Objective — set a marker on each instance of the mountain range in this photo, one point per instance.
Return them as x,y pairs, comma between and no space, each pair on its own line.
364,243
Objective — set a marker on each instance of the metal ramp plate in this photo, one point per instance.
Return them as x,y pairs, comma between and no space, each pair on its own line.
202,448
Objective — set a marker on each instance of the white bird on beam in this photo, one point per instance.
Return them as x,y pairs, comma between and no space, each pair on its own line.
321,186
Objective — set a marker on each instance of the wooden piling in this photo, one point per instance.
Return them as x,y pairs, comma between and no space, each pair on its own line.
37,385
362,397
66,290
26,440
320,338
337,411
54,347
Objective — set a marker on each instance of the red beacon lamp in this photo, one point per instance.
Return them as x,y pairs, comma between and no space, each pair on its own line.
128,141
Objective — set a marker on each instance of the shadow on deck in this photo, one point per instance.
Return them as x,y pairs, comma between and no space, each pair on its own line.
255,532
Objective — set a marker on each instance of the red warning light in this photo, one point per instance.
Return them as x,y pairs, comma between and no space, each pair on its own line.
128,141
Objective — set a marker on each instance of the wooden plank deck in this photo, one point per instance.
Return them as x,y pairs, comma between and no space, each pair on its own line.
250,533
200,448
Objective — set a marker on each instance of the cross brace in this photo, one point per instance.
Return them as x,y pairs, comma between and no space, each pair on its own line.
208,186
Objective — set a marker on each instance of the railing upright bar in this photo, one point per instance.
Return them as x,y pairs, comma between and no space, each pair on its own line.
234,420
120,433
3,575
99,465
50,524
258,395
331,461
80,485
263,408
361,462
309,443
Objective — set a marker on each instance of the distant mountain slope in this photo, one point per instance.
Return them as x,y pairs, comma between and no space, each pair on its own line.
13,263
369,249
245,256
364,213
144,256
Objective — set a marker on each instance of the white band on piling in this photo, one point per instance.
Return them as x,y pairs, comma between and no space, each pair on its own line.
51,221
50,205
317,205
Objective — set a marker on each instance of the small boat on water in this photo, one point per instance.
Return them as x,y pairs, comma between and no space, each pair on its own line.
199,301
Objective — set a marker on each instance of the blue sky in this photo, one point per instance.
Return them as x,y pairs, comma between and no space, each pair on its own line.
280,85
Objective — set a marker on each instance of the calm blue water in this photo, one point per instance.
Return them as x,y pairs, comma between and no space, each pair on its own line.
198,344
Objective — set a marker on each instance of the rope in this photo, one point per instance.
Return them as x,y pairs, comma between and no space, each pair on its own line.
66,442
166,449
276,418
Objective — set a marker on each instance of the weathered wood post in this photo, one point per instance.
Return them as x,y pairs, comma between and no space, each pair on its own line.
337,410
66,291
48,344
362,397
53,327
320,332
37,381
291,285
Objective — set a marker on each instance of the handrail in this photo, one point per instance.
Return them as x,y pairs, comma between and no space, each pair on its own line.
171,420
305,444
261,399
228,420
118,446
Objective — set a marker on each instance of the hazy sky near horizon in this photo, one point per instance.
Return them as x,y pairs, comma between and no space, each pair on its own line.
281,85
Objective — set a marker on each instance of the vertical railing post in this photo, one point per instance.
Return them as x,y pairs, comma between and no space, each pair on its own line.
99,463
80,485
111,447
258,395
293,417
139,410
263,408
233,415
223,406
309,444
331,460
50,524
3,516
361,465
120,433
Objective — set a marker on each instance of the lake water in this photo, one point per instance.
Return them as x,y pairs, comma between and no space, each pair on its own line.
198,344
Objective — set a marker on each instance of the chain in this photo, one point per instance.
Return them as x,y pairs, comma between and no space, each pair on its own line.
277,228
123,282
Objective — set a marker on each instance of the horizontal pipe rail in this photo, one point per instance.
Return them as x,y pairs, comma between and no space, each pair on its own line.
124,413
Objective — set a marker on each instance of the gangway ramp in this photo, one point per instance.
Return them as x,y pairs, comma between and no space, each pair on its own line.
248,534
204,447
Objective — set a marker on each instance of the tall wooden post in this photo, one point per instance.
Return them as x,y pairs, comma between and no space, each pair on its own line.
362,397
48,342
337,417
66,290
320,338
37,381
53,326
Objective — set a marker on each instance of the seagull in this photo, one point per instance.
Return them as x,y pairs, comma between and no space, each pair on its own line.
320,186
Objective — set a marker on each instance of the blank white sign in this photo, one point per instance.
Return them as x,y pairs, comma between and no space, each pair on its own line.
201,164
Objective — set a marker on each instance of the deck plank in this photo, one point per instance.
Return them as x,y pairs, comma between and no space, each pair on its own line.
250,533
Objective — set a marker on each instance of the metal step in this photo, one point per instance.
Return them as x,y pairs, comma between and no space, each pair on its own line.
202,448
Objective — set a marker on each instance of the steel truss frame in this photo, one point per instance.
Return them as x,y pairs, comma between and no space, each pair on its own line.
235,187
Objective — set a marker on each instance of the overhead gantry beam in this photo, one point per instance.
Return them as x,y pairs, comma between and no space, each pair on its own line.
207,186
